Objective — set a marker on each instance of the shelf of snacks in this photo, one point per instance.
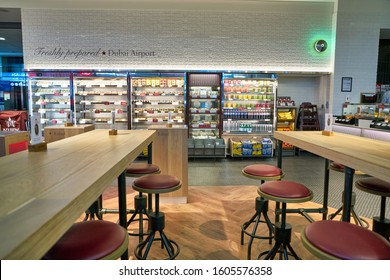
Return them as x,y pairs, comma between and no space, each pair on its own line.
204,106
286,120
251,147
97,95
249,104
50,95
156,97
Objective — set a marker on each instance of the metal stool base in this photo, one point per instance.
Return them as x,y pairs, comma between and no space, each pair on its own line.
261,207
157,223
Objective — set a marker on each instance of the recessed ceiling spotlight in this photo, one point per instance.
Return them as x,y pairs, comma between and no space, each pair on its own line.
2,39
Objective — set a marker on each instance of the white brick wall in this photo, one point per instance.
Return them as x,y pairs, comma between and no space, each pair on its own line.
252,36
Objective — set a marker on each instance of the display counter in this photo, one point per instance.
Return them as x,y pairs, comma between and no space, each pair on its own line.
372,133
55,133
170,153
13,141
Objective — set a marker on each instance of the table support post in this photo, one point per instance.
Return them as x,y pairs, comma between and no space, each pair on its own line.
150,150
348,184
122,206
150,161
326,190
280,151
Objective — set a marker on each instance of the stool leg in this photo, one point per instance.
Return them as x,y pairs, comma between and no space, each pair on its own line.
380,224
94,210
140,210
282,240
157,224
261,207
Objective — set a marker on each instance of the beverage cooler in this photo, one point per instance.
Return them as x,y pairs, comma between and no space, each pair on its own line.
249,113
98,95
249,104
157,97
50,95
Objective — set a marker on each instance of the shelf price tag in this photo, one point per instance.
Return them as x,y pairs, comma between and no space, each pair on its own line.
175,103
87,102
154,103
117,103
138,103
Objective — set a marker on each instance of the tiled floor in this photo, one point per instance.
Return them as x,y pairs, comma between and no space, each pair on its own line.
306,168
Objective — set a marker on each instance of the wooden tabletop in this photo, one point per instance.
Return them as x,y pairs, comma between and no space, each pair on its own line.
367,155
43,193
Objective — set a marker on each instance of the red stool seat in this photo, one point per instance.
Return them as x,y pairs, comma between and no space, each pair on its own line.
285,191
140,168
374,185
90,240
329,239
335,166
262,171
157,183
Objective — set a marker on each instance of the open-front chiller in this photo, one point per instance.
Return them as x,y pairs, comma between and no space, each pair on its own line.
204,105
157,98
249,113
98,95
50,95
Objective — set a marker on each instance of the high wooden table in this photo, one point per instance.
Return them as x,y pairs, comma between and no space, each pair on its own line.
356,153
43,193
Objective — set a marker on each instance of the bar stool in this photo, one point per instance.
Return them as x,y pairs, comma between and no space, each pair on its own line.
156,184
376,186
283,192
90,240
358,220
335,240
135,170
262,172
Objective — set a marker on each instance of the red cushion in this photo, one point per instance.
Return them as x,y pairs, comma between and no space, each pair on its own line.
338,166
140,168
348,241
156,182
262,170
89,240
285,189
373,184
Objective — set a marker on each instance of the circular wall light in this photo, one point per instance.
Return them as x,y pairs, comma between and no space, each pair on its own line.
320,45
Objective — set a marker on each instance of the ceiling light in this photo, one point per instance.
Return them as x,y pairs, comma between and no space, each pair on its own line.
2,39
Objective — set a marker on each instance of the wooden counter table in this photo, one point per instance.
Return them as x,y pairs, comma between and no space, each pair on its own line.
356,153
43,193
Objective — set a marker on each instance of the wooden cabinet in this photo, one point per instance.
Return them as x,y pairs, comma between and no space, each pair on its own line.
170,153
55,133
13,142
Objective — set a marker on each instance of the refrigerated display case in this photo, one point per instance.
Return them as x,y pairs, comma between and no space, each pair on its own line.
249,104
157,97
204,105
50,94
97,95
